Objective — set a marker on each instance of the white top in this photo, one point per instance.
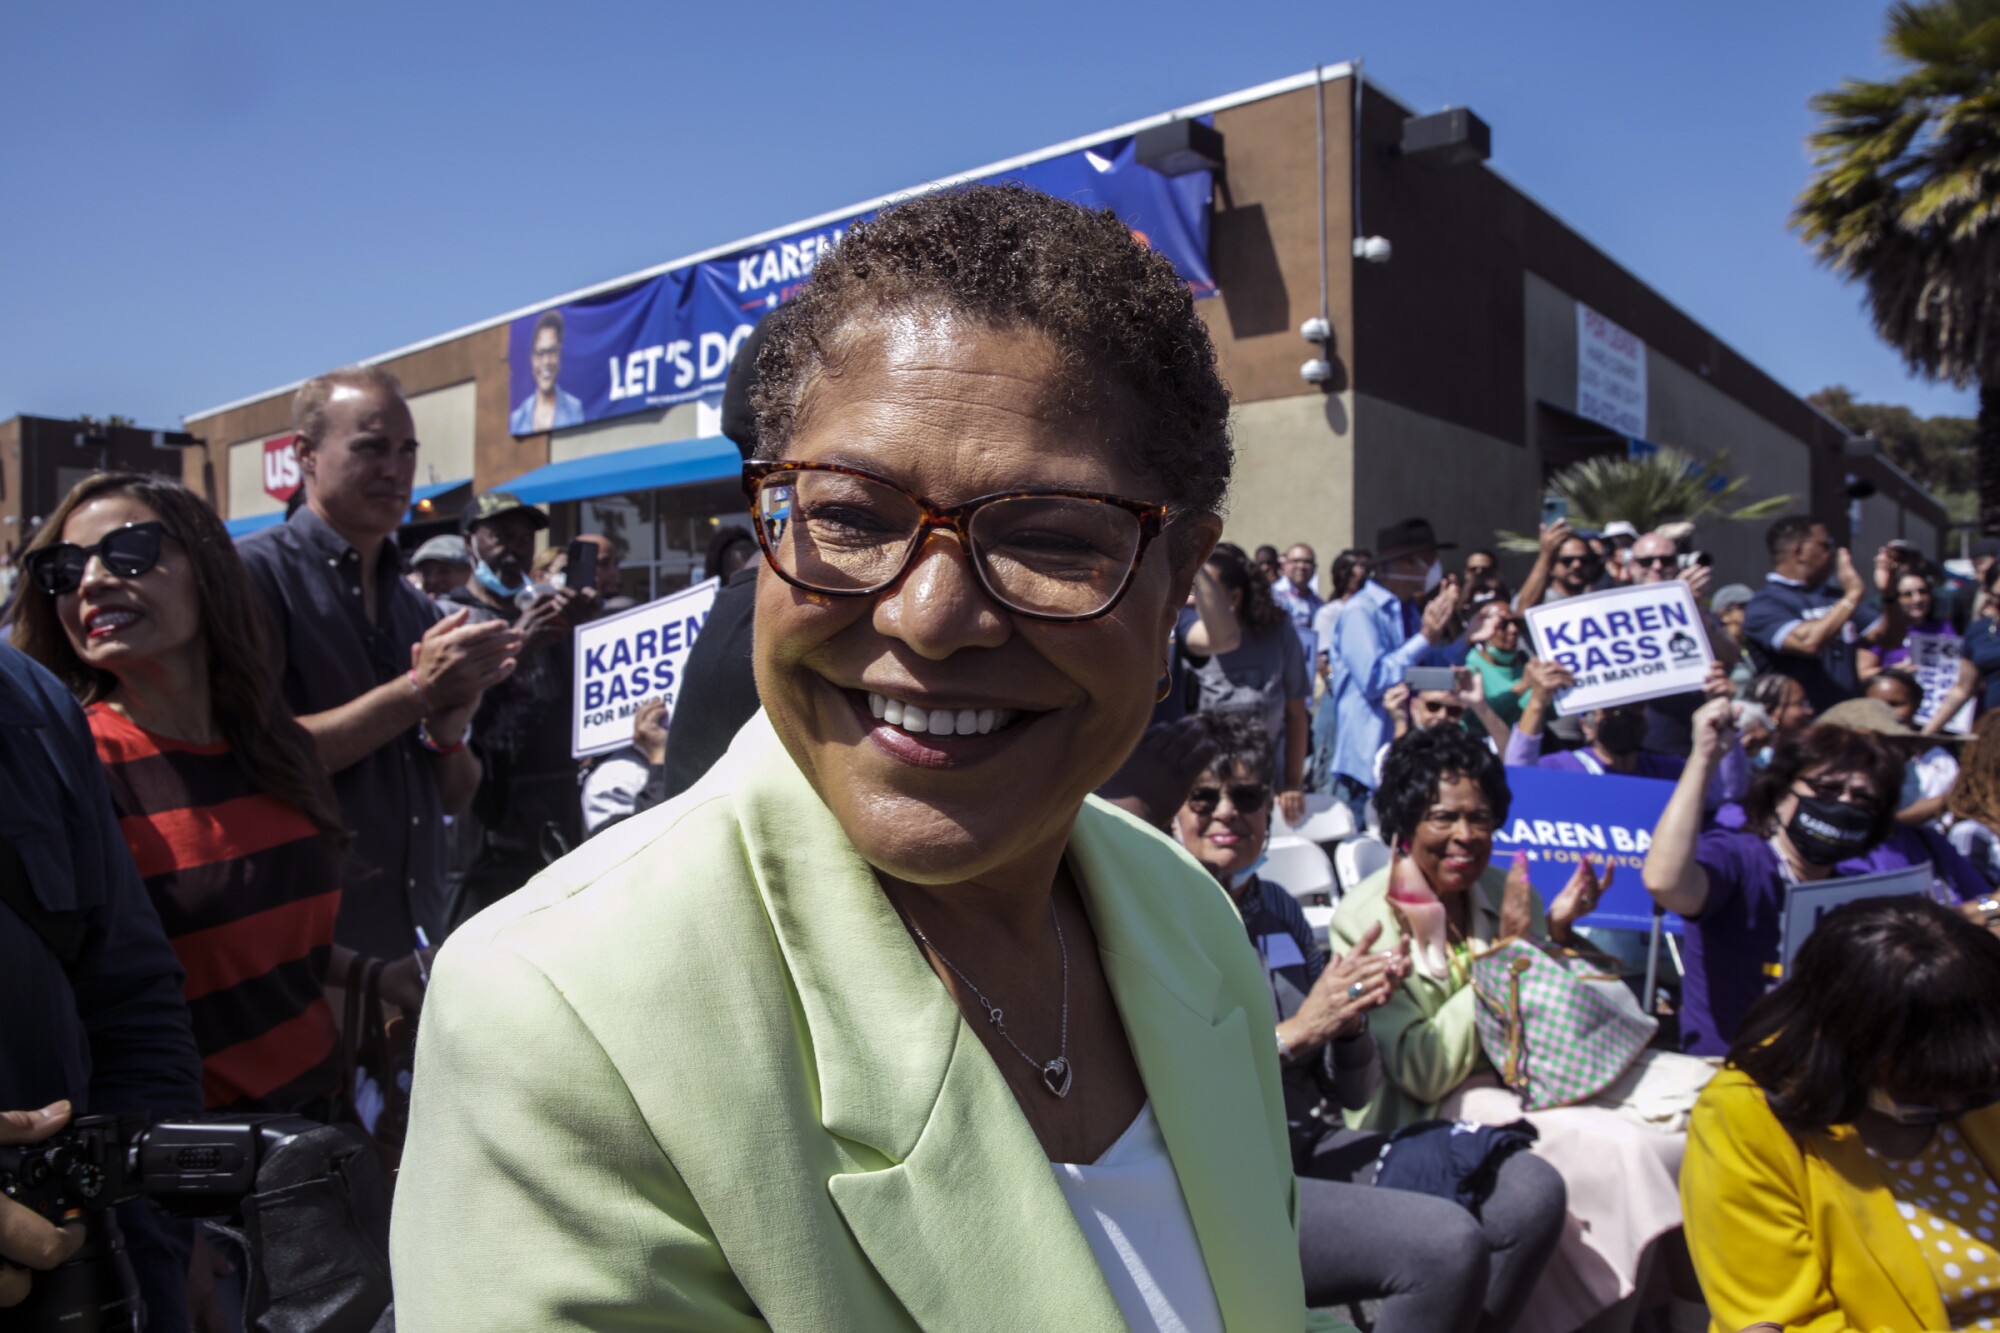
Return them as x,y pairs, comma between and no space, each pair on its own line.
1130,1207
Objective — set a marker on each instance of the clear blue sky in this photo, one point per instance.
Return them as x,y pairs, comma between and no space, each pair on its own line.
206,201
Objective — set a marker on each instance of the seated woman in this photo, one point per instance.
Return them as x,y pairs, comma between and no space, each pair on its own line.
1442,796
136,600
1432,1264
885,1023
1844,1171
1824,805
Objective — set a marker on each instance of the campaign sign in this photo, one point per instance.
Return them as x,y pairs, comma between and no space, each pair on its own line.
671,338
1623,645
1558,817
1806,903
625,659
1933,661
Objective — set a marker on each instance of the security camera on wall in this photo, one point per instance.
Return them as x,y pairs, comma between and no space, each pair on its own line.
1316,371
1372,249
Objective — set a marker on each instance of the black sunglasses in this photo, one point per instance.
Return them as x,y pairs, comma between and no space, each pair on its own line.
1575,559
1655,561
1247,797
127,552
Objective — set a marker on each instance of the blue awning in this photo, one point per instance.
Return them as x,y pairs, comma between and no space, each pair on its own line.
711,458
239,528
431,491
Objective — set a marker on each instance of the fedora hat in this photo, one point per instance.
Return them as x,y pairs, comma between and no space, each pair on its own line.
1400,539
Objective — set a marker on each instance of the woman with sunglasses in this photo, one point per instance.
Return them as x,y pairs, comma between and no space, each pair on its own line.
1498,660
885,1024
1823,806
1433,1264
1843,1172
135,598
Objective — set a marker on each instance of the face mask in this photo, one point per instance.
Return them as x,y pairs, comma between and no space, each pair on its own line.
1433,576
1827,832
491,581
1242,877
1622,733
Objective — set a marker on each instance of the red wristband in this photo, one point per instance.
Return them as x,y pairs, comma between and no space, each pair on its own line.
424,736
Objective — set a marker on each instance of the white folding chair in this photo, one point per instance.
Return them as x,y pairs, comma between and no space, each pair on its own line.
1357,858
1326,820
1320,919
1300,868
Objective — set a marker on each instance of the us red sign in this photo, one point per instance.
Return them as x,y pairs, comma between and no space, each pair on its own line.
281,468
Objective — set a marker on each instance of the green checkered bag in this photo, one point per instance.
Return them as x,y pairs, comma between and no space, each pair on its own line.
1558,1027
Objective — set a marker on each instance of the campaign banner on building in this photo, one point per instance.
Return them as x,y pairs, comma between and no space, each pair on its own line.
1623,645
1934,661
1558,817
1806,903
625,659
671,338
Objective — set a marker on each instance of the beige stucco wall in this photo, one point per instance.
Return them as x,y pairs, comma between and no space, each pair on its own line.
635,432
447,423
1467,484
1294,474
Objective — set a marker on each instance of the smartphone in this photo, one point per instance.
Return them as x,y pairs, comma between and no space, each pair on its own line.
580,565
1555,509
1420,679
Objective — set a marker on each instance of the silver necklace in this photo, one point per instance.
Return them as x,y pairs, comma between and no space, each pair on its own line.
1056,1073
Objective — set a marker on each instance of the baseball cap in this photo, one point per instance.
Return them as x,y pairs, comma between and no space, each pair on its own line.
451,550
495,503
1733,594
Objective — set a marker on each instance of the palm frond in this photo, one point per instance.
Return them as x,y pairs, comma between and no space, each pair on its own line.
1666,486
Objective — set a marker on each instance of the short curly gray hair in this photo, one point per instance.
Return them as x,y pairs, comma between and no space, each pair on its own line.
1123,322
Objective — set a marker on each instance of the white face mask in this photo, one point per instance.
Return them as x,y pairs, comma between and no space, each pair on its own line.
1433,576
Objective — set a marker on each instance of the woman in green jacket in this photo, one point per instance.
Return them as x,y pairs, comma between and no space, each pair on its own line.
1443,794
887,1023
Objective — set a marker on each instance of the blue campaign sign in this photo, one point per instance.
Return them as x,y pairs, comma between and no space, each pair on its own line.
671,338
1557,817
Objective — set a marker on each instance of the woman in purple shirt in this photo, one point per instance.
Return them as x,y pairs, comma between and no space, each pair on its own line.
1824,806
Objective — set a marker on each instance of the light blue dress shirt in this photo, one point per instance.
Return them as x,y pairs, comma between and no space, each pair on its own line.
1369,653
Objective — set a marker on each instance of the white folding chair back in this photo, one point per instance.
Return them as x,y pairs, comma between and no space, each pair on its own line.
1357,858
1326,820
1298,867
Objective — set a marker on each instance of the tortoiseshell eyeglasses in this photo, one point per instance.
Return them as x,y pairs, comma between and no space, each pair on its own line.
1046,553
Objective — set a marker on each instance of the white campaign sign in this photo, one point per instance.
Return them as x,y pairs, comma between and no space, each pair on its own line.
1623,645
1806,903
625,659
1934,662
1610,373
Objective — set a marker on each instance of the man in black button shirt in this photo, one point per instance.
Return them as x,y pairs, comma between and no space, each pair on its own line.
1797,625
385,686
527,811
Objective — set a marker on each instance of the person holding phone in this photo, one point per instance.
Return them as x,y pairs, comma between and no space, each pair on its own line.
525,813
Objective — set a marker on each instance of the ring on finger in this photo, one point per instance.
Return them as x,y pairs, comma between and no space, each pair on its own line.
1357,990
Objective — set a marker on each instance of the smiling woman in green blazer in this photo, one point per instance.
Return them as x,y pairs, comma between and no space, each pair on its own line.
855,1033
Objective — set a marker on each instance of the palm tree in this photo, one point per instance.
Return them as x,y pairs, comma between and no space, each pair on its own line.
1650,491
1906,201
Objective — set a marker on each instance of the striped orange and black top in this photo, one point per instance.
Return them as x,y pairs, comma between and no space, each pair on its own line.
247,889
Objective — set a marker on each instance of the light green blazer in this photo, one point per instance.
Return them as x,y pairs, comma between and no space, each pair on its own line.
697,1076
1426,1033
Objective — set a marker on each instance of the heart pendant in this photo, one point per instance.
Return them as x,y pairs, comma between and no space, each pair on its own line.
1055,1076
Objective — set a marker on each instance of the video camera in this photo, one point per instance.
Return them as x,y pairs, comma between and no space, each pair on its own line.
200,1167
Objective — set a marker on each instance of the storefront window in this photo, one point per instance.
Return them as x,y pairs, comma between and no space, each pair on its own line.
661,535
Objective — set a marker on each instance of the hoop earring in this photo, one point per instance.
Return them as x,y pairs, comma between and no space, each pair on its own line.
1166,687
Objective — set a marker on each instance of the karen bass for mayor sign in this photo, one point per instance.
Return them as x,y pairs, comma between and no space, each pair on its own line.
1623,645
625,659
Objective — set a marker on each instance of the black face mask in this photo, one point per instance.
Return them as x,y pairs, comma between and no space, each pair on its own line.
1827,831
1622,733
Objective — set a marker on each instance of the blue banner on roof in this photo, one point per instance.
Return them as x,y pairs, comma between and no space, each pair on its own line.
671,338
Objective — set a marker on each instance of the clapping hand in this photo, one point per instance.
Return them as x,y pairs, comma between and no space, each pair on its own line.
1442,611
1847,576
1351,985
1578,898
